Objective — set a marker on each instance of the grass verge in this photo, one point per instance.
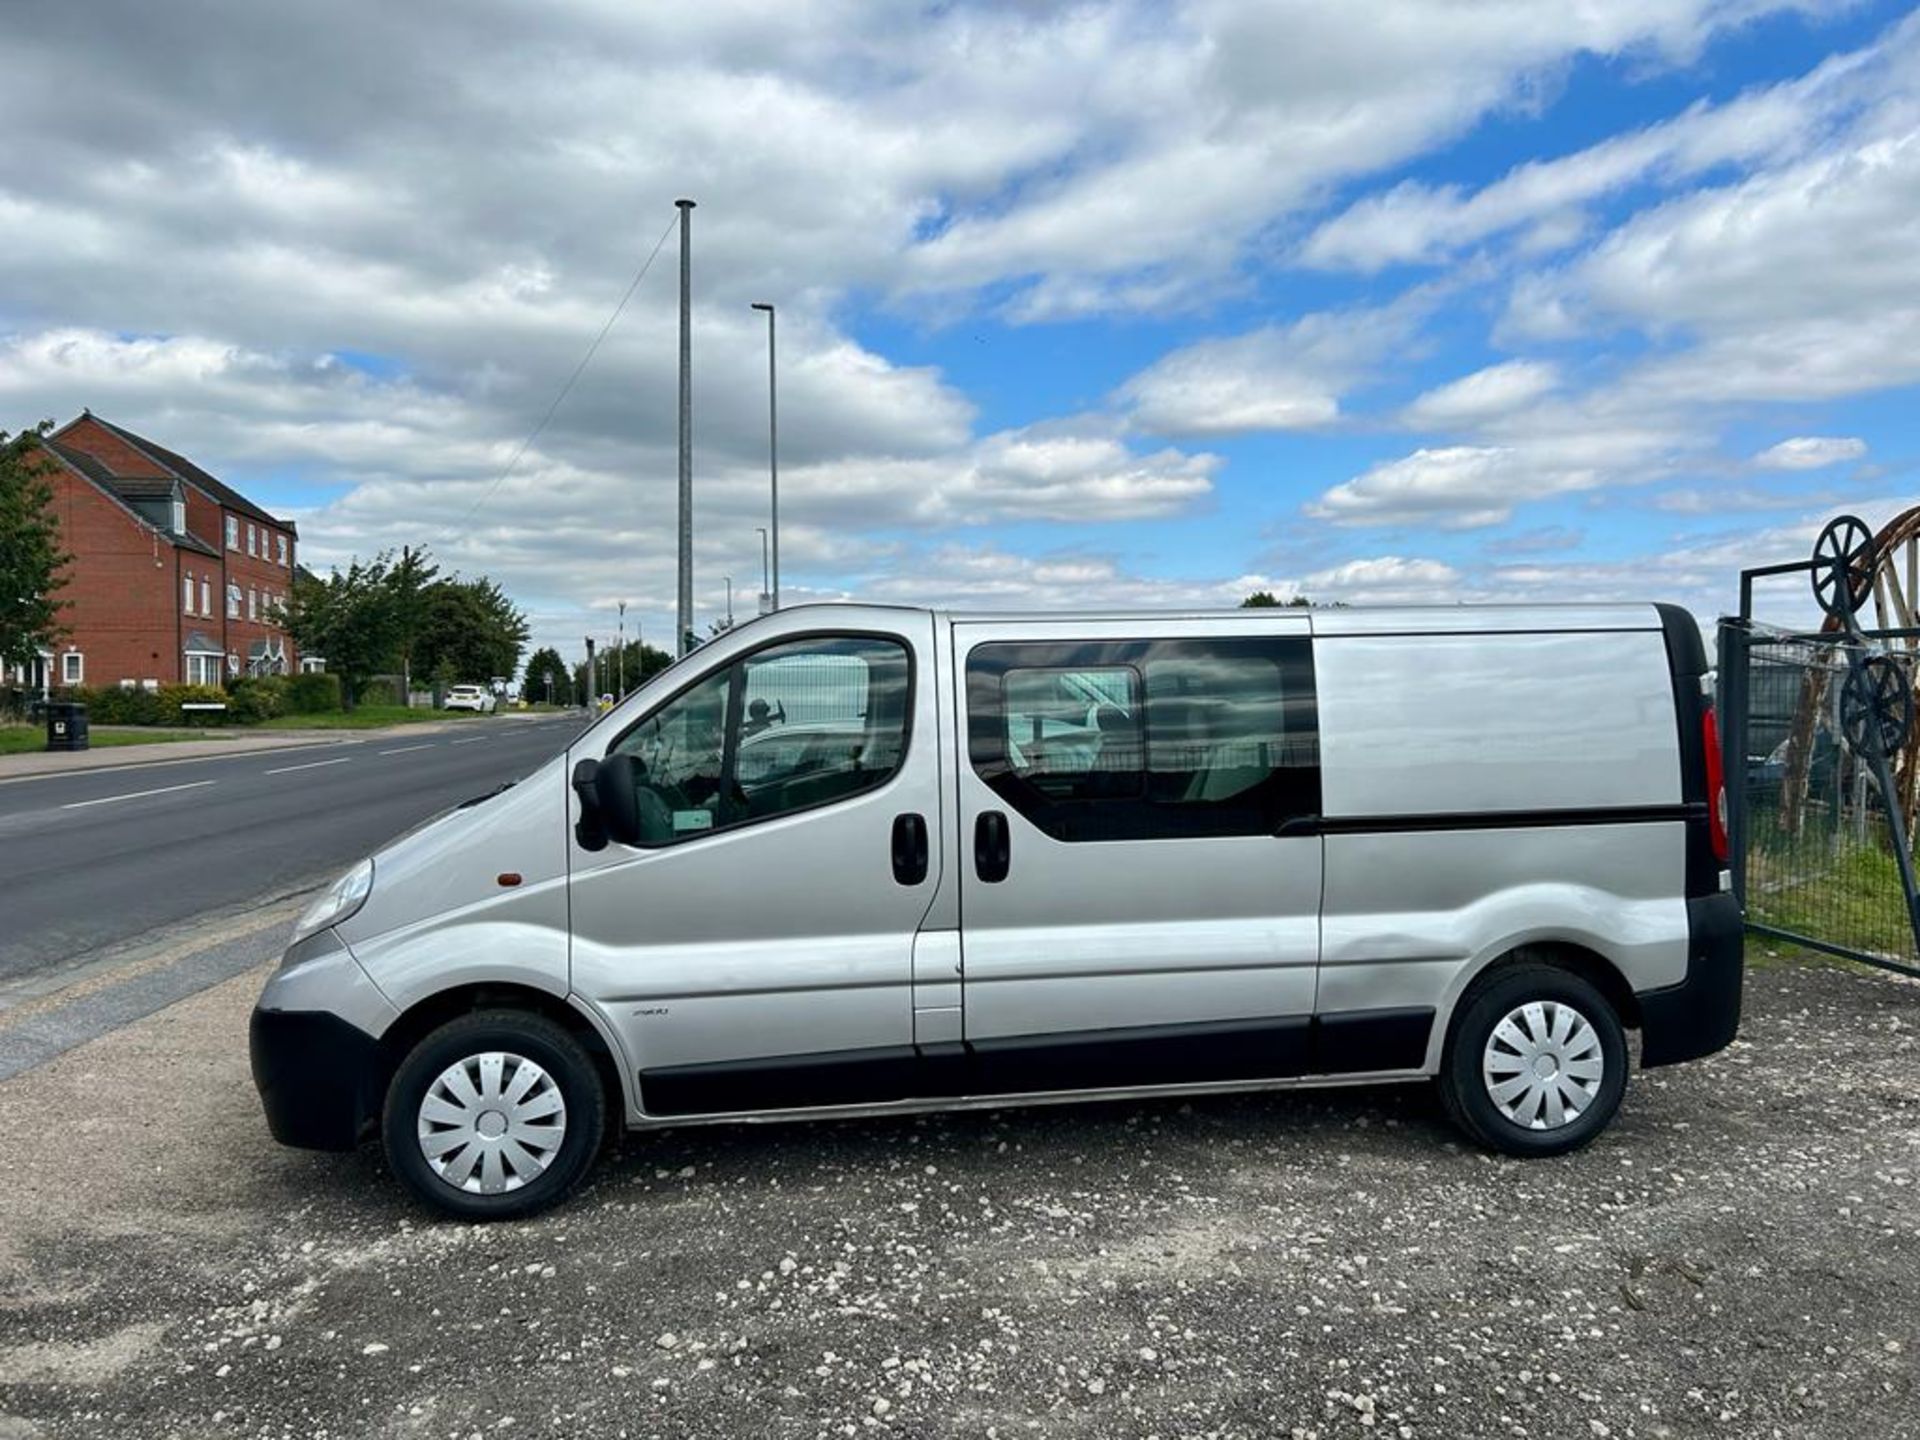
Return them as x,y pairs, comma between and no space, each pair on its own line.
26,739
366,717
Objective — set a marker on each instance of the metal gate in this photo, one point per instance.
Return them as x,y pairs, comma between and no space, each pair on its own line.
1818,737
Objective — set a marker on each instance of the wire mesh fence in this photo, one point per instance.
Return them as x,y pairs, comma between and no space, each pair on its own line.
1817,853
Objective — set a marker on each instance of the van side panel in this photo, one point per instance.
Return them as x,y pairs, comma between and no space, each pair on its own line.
1464,724
1407,914
1488,791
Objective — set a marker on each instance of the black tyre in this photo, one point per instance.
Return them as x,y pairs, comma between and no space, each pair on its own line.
494,1115
1536,1062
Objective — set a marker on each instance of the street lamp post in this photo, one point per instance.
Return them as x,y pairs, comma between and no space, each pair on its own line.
766,591
729,580
684,643
773,449
623,649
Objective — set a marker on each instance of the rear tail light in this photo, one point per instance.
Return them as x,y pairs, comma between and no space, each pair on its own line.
1716,785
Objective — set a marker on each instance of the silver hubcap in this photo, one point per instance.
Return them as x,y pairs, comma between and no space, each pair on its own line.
1543,1065
492,1123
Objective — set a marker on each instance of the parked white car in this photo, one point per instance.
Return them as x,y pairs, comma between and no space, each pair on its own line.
470,697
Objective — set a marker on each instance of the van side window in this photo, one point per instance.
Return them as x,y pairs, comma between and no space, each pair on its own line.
1140,740
1075,734
788,728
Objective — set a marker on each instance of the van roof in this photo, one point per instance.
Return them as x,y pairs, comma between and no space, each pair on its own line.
1330,620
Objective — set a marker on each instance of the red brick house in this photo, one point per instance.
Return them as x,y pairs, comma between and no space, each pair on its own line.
175,575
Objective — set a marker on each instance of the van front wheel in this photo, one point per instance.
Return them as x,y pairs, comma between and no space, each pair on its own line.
494,1115
1536,1063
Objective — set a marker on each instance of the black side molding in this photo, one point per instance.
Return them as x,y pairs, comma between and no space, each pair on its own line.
1491,820
1217,1052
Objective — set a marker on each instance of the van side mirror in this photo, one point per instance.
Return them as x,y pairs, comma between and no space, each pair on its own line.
588,829
616,787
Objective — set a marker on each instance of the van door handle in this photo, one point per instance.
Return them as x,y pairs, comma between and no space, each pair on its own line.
909,849
992,847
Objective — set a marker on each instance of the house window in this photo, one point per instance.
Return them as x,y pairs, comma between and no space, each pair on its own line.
73,668
283,549
233,601
250,538
206,596
203,669
253,604
179,515
186,593
233,533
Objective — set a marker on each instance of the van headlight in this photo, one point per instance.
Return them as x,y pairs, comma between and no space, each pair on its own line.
339,901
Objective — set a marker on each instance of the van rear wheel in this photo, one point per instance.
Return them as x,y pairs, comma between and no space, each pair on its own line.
494,1116
1536,1063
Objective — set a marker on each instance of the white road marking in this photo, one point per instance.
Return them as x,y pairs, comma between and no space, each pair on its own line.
405,748
310,765
137,794
473,740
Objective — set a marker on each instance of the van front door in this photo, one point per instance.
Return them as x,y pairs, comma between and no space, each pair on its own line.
755,949
1131,913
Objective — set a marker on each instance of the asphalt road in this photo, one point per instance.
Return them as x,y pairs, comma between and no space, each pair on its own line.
100,857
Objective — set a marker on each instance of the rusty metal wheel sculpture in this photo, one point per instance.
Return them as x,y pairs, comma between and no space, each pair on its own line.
1843,567
1887,599
1876,706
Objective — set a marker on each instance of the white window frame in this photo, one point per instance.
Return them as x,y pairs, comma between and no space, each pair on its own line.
253,603
206,596
73,668
283,549
233,532
233,600
250,538
186,593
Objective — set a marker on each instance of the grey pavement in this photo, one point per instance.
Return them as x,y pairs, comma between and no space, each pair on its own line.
103,857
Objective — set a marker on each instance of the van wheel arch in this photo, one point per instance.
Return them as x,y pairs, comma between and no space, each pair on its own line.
1589,965
428,1015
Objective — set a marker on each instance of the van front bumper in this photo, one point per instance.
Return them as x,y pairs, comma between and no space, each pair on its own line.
1702,1013
314,1072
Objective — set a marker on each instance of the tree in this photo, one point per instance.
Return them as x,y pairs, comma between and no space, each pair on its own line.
470,631
347,618
1263,600
547,678
643,662
30,553
408,581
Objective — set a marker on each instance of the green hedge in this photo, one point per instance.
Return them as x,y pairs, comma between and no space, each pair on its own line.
251,700
312,694
172,697
112,705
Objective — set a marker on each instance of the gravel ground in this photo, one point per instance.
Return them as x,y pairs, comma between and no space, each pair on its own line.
1739,1256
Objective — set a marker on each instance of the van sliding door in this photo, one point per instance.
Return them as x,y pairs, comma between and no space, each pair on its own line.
1130,913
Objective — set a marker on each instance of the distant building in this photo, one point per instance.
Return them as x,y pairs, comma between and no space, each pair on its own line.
175,576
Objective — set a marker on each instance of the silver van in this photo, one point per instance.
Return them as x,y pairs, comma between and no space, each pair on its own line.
858,860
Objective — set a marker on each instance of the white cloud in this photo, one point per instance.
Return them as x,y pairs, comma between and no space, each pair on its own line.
1454,487
1793,283
1418,223
1484,395
1383,580
1810,452
373,268
1280,377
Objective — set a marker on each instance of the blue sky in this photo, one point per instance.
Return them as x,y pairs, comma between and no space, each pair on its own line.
1105,304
